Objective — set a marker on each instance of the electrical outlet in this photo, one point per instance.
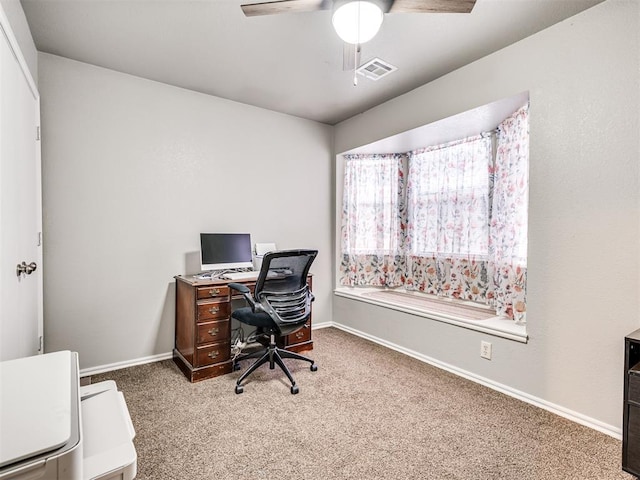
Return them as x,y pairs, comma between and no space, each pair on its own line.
485,350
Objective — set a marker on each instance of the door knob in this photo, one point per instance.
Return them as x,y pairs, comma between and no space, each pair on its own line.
26,269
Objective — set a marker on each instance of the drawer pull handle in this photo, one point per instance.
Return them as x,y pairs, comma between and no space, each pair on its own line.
214,291
299,335
214,310
213,354
214,331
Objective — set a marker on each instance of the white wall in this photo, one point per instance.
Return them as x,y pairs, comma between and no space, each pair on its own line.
133,171
15,14
583,76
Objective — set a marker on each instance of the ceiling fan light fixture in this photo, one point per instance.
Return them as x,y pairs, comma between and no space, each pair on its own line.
357,21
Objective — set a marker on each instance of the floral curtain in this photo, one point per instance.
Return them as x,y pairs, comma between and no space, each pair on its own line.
457,227
372,221
448,199
508,227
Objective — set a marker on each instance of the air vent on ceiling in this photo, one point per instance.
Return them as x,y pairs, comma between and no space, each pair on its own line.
376,69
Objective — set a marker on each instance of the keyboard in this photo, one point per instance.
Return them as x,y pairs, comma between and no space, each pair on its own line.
241,275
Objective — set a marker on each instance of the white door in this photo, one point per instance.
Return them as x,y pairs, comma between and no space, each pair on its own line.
20,205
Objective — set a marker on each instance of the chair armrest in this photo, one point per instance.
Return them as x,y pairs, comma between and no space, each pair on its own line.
240,287
246,293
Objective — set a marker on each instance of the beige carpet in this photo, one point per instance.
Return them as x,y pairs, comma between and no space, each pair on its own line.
367,413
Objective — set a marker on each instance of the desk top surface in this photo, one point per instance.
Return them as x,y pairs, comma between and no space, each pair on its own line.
195,281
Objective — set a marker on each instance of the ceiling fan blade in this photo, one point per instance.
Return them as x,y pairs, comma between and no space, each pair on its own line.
284,6
350,56
432,6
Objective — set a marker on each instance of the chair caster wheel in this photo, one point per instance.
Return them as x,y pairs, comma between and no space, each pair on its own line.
236,367
314,367
239,389
294,389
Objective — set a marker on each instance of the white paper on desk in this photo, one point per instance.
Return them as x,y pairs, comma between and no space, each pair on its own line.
262,248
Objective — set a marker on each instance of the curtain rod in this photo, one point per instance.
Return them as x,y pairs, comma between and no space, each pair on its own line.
452,143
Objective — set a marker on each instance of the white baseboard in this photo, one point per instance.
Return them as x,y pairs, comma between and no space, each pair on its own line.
318,326
85,372
525,397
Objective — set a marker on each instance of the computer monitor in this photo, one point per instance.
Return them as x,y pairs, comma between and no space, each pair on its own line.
220,251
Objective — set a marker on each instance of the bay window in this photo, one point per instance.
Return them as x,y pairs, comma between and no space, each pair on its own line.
448,220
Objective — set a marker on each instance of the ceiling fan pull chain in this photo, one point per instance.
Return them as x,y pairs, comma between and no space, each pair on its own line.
355,65
355,51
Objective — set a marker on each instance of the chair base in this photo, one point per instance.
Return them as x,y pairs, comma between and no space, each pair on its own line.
274,356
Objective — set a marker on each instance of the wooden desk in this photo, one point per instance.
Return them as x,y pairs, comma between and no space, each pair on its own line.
203,327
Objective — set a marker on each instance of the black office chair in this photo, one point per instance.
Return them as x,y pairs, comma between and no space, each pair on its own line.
281,305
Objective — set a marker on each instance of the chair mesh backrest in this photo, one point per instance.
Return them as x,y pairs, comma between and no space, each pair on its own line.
282,285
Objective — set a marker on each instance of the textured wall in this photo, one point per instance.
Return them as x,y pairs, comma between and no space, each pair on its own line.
133,171
583,76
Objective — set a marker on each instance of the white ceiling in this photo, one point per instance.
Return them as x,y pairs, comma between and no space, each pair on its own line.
290,63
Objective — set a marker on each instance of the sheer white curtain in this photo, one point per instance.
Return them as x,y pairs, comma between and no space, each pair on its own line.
448,198
372,220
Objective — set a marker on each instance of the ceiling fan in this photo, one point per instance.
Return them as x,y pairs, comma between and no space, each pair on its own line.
357,21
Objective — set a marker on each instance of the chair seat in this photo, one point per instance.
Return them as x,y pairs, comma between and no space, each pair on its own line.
246,316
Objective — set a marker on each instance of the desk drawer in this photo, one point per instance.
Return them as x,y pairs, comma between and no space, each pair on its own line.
302,335
213,331
213,310
216,353
212,292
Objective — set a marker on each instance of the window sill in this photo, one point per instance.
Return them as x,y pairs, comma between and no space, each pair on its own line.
494,325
